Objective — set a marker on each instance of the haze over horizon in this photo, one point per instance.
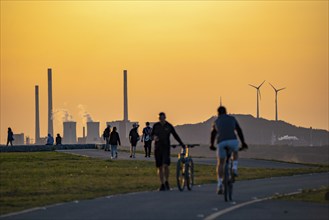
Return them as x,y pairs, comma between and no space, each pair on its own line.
180,56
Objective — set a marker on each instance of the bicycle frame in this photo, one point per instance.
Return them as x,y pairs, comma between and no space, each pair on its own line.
228,175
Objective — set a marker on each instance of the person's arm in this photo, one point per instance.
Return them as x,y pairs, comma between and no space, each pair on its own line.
240,134
174,133
213,136
239,131
119,139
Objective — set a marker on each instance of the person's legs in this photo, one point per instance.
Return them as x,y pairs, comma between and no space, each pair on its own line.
112,151
115,151
234,146
149,146
134,151
145,149
7,142
131,150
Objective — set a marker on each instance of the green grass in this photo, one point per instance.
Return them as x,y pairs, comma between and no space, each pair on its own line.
30,180
310,195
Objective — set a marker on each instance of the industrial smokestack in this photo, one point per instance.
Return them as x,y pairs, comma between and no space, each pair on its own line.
125,92
37,121
84,132
50,104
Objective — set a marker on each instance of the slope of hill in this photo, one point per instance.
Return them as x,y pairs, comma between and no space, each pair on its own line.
258,131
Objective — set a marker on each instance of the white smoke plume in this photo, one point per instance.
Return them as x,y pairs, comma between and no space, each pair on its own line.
62,115
86,117
289,138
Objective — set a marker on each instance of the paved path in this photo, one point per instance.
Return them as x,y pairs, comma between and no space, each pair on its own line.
243,162
200,203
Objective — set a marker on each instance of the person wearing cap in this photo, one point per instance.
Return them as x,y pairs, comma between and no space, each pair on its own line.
146,138
133,139
161,135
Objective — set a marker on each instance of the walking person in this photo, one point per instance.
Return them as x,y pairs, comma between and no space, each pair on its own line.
58,139
106,136
146,137
161,135
10,137
114,142
133,139
224,129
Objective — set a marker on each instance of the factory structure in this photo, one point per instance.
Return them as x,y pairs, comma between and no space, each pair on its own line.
124,126
92,129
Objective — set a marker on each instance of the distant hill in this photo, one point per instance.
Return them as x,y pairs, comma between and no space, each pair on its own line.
258,131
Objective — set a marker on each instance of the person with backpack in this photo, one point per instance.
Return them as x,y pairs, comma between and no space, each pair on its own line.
114,142
146,137
106,136
133,139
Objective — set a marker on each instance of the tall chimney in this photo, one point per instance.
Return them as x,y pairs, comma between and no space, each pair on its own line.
125,92
37,121
50,104
84,132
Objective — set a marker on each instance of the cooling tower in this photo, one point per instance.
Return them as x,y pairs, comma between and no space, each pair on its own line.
50,104
70,132
93,136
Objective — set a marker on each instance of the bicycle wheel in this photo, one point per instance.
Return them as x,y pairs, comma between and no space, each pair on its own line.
180,175
189,174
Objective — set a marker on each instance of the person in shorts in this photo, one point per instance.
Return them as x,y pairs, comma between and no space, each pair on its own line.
161,135
224,128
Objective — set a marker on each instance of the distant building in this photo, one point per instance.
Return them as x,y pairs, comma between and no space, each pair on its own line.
18,139
70,132
93,136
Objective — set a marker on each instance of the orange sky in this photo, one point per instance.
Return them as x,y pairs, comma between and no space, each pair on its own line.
180,56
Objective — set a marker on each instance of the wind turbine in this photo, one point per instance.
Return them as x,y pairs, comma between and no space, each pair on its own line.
258,95
276,100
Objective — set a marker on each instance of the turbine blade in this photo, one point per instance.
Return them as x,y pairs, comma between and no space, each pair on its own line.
261,84
253,86
272,86
281,89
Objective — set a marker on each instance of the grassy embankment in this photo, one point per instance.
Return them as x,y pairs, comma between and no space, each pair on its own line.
36,179
320,195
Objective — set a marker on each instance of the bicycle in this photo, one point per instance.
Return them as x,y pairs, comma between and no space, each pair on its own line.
185,168
228,175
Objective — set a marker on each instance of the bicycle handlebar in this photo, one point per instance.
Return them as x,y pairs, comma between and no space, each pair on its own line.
187,145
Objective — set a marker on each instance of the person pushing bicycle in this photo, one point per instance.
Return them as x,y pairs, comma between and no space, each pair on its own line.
161,135
224,129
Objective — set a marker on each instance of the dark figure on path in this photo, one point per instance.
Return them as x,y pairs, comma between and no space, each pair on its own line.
147,139
106,136
224,129
50,140
114,142
161,135
10,137
133,139
58,139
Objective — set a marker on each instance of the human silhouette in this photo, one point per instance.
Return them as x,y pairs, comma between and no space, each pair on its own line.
224,129
10,137
146,138
133,139
50,140
58,139
161,135
106,136
114,142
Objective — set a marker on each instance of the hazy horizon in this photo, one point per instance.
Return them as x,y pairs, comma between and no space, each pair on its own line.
181,57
